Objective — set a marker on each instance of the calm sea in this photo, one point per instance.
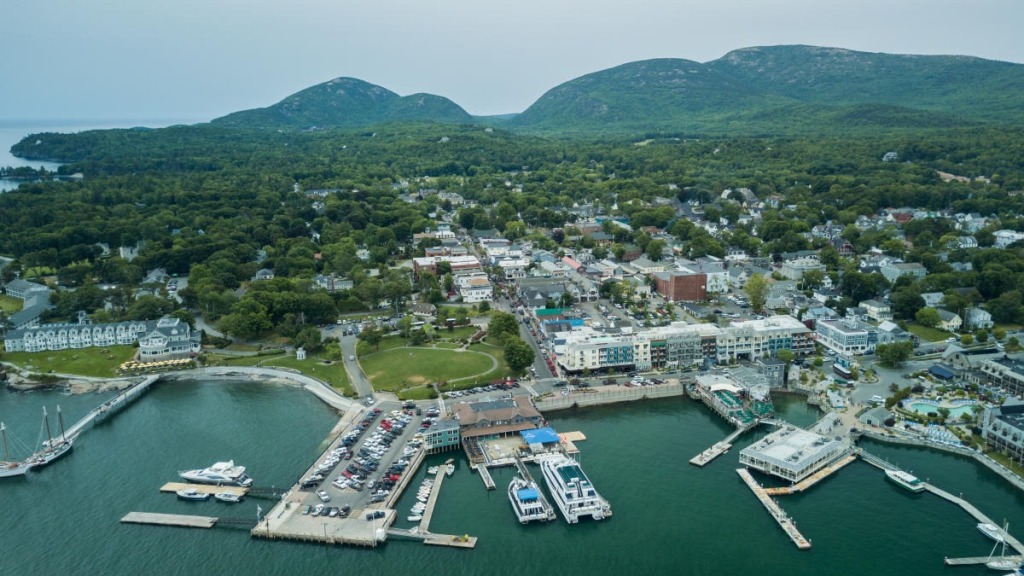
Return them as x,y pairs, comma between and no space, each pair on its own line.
12,132
670,517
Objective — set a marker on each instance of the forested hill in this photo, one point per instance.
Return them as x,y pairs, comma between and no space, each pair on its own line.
347,103
784,90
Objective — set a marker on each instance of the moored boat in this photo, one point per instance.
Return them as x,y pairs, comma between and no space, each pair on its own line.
53,448
449,470
906,480
992,531
229,497
572,491
221,473
192,494
8,467
528,502
415,518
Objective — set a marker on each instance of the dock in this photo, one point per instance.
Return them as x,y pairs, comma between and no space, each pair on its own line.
169,520
813,478
428,512
980,517
464,541
785,522
108,408
485,475
980,560
719,448
204,488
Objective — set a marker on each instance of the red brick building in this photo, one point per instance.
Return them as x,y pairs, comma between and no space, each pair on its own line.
682,286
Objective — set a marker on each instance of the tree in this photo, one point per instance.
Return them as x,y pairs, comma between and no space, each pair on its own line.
372,336
895,354
999,333
786,355
756,290
966,339
248,319
1012,344
310,339
943,413
405,327
518,354
905,303
928,317
654,249
502,326
812,279
981,336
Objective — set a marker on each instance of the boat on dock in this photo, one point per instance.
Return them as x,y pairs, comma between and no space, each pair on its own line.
432,470
229,497
528,502
221,473
8,467
992,531
449,470
192,494
415,518
572,491
906,480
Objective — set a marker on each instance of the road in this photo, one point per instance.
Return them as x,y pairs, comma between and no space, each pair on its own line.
356,376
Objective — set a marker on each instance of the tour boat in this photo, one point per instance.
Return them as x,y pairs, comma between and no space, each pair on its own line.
53,448
192,494
906,480
572,491
528,502
220,473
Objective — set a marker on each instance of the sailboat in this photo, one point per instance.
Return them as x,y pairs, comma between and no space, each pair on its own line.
1002,562
10,467
53,448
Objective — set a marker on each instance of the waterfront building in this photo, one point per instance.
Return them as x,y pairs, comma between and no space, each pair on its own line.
791,453
496,417
1004,373
1003,428
443,435
162,339
169,338
682,345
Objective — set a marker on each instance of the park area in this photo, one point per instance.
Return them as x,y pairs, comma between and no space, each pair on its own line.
94,362
398,369
333,373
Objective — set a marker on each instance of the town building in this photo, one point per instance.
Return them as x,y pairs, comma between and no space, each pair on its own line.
847,336
442,436
496,417
893,270
877,310
1003,428
681,286
796,268
457,263
1004,373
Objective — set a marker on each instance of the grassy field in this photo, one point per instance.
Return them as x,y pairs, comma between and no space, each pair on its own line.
398,369
929,334
313,366
95,362
10,305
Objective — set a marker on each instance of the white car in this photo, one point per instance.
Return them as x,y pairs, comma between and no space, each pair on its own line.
324,496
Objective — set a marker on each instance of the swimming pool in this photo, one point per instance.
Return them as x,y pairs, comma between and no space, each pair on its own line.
924,407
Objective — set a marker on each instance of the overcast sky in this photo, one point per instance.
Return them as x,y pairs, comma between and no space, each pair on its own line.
199,59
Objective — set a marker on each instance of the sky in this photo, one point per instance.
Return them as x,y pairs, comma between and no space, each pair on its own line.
195,60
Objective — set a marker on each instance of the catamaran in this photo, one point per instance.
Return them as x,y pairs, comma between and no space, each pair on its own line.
528,502
572,490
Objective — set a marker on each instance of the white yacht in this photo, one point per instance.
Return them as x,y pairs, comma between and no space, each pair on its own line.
906,480
992,531
572,491
220,473
528,502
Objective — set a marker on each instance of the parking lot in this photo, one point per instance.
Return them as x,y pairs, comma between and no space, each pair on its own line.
364,464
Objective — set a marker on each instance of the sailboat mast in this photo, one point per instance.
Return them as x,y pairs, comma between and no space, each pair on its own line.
60,418
3,432
46,422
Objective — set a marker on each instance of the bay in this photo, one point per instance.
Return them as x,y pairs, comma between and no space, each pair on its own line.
669,516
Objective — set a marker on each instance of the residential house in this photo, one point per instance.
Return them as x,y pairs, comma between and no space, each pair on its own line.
894,270
645,265
877,310
794,269
949,321
976,318
1004,238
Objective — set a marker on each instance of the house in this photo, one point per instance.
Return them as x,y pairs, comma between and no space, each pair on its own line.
263,274
932,299
645,265
876,310
949,321
1004,238
23,289
976,318
894,270
794,269
476,290
890,333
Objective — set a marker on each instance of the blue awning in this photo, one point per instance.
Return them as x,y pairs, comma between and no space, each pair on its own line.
527,494
940,371
539,436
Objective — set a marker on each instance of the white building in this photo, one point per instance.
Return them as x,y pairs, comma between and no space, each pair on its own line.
791,453
476,290
796,268
847,336
717,274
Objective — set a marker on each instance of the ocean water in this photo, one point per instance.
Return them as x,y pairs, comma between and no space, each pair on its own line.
669,516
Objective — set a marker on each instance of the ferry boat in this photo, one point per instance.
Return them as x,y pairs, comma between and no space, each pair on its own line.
906,480
992,531
572,491
528,502
218,474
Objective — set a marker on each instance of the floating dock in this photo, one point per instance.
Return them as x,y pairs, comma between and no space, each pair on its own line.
485,475
204,488
785,522
428,512
710,454
980,560
813,478
169,520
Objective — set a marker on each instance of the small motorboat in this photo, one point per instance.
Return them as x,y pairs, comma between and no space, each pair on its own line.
449,470
229,497
432,470
192,494
992,531
415,518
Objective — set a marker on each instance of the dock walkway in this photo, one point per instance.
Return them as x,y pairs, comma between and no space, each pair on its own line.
204,488
101,412
169,520
428,512
485,475
785,522
978,515
813,478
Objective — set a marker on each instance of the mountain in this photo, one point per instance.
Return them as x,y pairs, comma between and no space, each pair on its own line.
783,90
347,103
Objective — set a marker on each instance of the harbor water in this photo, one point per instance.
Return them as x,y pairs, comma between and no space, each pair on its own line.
669,517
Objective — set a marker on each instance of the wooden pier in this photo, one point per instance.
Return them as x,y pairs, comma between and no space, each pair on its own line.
785,522
428,512
980,560
710,454
813,478
204,488
169,520
103,411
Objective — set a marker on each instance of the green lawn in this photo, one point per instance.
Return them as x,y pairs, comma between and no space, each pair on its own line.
313,366
930,334
459,333
95,362
10,305
398,369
